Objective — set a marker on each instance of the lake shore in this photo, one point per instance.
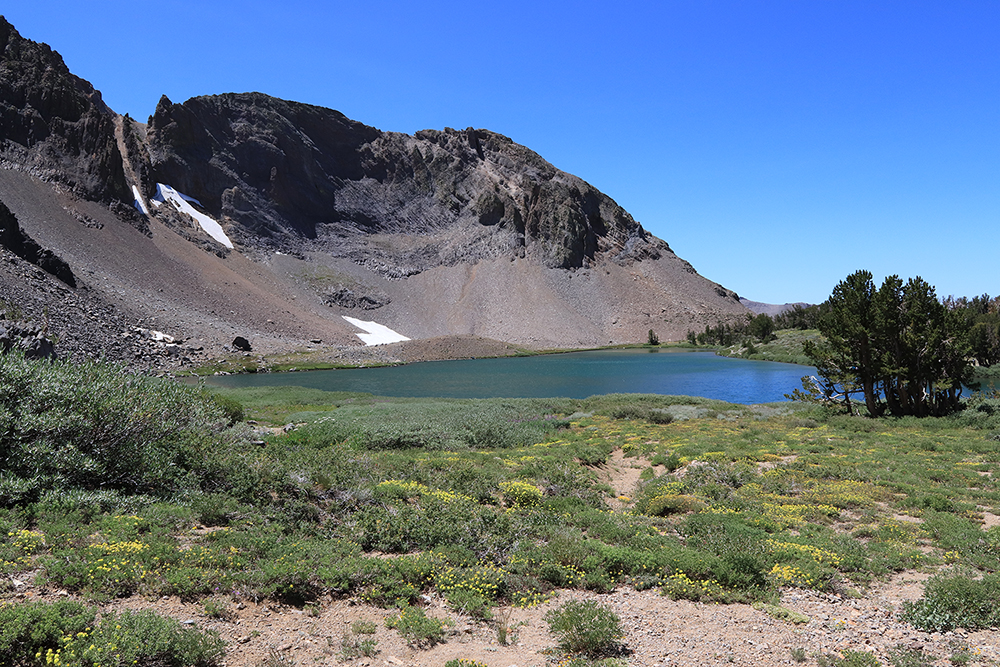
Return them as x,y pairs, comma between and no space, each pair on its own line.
443,348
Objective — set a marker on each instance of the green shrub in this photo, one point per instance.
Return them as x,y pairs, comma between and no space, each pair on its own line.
363,627
432,424
671,463
468,603
38,627
585,627
352,647
654,415
849,658
956,601
418,628
63,633
230,407
95,426
905,656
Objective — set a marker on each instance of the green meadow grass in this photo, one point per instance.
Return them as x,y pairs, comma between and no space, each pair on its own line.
486,502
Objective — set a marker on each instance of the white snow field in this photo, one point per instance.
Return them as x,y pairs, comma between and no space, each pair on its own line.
377,333
138,203
165,193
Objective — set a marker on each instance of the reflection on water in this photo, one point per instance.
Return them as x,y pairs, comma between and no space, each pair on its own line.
573,375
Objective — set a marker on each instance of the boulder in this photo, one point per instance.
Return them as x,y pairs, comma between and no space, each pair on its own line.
242,344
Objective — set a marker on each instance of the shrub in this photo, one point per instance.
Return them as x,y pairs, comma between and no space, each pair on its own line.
230,407
62,633
352,647
469,603
955,601
653,415
418,628
27,629
95,426
585,627
363,627
521,494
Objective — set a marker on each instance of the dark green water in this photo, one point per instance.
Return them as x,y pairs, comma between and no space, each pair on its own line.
573,375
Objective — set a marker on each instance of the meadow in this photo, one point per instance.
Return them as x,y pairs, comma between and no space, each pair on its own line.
114,485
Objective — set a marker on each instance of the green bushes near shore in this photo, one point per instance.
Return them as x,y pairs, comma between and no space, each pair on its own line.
97,428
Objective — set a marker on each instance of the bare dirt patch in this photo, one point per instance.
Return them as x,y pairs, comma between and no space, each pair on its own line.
658,631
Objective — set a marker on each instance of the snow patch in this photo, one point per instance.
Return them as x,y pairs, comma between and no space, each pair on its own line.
165,193
138,203
377,334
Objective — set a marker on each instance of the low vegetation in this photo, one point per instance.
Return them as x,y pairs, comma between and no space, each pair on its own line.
113,485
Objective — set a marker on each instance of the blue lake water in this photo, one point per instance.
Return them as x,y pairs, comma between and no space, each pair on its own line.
572,375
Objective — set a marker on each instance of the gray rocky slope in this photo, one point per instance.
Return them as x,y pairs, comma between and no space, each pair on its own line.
442,233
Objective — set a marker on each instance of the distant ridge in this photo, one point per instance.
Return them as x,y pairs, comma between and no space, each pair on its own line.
771,309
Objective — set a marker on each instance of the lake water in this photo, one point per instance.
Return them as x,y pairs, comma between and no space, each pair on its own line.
572,375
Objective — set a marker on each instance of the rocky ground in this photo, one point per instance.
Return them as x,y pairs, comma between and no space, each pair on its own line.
658,631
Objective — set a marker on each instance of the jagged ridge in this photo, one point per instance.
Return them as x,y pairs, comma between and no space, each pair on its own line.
291,172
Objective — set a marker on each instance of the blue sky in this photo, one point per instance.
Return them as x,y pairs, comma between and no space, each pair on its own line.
776,145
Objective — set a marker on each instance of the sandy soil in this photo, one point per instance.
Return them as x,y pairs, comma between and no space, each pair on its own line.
658,631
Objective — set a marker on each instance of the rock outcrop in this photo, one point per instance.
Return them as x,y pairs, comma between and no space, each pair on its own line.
55,124
304,176
14,239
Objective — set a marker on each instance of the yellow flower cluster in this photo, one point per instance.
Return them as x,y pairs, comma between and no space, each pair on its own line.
113,564
817,554
400,489
529,599
521,494
843,493
790,575
483,580
790,515
680,585
26,543
78,650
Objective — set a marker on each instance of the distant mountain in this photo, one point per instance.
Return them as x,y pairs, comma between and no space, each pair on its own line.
243,214
771,309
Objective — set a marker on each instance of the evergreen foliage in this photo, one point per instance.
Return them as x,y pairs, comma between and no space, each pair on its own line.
897,346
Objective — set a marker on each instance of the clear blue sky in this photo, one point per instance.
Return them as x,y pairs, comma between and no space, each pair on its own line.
776,145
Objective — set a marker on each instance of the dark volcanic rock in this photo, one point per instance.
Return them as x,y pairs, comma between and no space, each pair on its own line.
30,339
293,173
348,298
54,123
14,239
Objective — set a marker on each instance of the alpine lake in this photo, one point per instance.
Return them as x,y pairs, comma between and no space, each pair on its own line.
666,370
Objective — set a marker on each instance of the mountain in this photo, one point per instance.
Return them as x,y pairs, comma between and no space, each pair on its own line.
246,215
771,309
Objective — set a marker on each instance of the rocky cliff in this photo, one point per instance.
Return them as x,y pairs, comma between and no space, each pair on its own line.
280,218
55,124
303,176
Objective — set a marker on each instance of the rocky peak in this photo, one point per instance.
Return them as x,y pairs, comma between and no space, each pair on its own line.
289,173
55,124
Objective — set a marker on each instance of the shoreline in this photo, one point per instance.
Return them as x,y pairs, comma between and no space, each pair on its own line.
448,348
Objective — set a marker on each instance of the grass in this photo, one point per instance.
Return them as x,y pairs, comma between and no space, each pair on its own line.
490,504
786,347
